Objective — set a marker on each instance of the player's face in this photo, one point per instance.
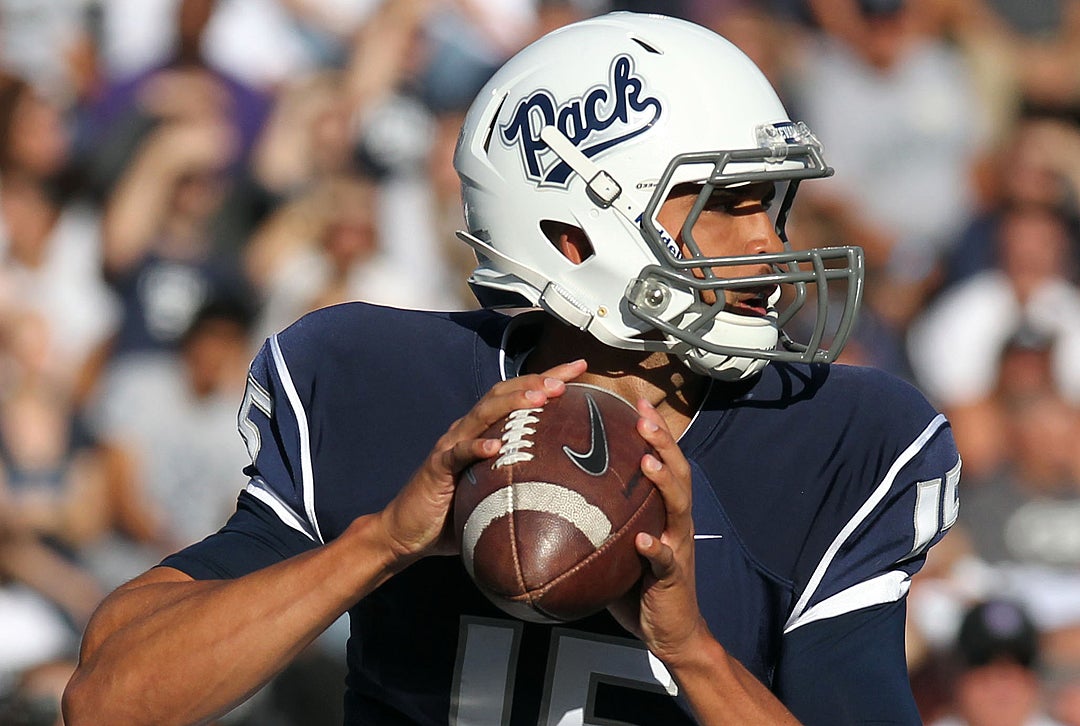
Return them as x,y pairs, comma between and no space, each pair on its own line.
735,221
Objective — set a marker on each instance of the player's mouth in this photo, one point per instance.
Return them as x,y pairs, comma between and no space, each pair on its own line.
753,303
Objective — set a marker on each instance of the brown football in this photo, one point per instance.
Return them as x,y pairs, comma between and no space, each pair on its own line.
547,527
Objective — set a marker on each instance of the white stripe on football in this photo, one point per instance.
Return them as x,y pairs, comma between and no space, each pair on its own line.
534,496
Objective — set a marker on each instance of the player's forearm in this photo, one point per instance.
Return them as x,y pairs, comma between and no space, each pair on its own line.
722,692
184,652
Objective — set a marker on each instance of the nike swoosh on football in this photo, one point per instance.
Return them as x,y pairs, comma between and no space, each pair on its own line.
595,460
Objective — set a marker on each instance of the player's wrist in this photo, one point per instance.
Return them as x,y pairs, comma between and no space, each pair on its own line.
695,651
368,536
395,552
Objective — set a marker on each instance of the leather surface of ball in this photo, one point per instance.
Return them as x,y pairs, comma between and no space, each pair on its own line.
547,526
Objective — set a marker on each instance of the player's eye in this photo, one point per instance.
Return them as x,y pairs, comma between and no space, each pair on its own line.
723,202
748,198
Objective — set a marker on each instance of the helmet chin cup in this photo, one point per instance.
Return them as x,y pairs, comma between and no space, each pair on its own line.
707,338
721,367
730,331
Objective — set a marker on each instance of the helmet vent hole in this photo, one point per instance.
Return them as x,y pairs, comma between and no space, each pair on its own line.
491,126
646,46
570,241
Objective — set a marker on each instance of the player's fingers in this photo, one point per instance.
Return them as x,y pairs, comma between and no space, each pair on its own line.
675,493
522,392
519,394
654,429
669,471
660,557
567,371
454,459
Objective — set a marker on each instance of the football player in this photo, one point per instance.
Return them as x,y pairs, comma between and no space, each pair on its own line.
627,179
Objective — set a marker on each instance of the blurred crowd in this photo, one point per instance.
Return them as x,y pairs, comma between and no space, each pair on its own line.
181,178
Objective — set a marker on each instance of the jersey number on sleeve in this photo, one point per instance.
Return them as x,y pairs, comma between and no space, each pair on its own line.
937,506
255,396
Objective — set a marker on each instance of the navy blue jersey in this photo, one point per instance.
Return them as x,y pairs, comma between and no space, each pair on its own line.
817,492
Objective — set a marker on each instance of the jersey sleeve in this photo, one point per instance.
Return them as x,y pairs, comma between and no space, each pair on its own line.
907,507
842,656
253,538
273,422
275,517
848,669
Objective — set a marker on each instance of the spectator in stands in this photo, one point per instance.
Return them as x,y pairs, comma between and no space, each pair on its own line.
1038,166
182,85
51,480
955,345
52,503
162,260
908,153
323,248
1021,516
1015,535
998,683
180,478
50,241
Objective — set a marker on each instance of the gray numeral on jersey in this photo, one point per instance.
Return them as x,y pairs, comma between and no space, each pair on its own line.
937,505
255,395
577,663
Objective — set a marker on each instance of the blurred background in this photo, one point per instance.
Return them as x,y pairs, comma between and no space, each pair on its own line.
181,178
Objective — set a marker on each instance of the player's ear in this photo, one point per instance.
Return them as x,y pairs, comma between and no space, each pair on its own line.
571,241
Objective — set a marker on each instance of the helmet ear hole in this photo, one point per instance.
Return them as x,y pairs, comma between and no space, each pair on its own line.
571,241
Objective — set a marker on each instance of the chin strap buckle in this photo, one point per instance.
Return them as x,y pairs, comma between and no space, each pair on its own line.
600,185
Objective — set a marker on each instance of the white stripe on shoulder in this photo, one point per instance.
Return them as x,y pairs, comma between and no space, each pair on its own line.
889,587
860,516
307,483
257,488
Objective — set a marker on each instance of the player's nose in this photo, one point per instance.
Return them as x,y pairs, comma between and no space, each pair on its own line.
759,234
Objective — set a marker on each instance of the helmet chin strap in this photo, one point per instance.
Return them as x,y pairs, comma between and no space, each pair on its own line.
603,189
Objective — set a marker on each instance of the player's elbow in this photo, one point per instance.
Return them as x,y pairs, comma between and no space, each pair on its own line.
85,696
78,702
88,700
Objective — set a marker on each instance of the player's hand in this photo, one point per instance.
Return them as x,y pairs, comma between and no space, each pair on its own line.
664,613
416,522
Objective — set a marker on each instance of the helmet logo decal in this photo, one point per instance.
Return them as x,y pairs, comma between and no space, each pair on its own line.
601,118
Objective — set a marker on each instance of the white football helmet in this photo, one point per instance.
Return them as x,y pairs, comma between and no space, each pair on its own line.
592,126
